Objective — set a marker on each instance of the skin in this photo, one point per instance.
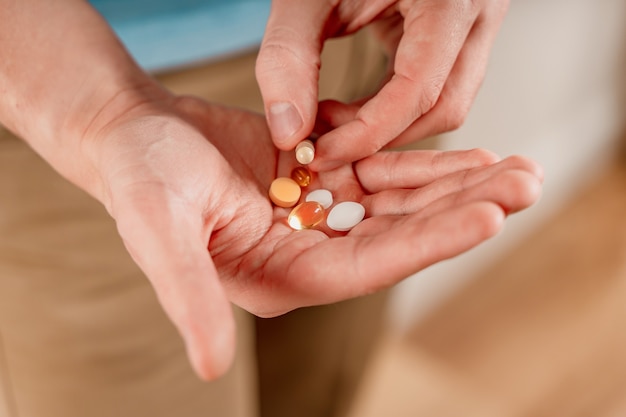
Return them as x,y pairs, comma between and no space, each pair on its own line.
186,182
438,52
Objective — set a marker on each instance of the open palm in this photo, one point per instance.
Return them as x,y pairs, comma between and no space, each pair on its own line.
186,176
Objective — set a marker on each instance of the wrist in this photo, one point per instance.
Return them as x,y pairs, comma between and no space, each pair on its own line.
67,78
84,134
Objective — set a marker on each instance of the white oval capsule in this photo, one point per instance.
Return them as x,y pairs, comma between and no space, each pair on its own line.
344,216
305,152
324,197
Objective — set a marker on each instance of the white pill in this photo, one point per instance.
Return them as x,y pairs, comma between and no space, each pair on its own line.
324,197
305,152
344,216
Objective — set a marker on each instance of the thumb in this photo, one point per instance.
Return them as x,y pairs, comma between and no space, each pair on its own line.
169,248
287,68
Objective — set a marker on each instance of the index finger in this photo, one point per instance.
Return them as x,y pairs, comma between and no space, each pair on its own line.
434,34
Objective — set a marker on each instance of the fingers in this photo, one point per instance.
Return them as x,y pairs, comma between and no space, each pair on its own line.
382,251
513,190
462,85
414,242
404,232
427,60
163,238
513,184
287,68
414,169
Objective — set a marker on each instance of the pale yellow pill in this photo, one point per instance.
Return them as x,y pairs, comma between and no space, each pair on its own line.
305,152
284,192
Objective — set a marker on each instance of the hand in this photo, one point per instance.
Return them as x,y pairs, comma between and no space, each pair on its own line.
182,176
438,50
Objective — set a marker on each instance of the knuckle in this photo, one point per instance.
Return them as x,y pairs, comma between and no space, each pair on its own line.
372,146
373,143
272,56
455,118
282,43
453,112
428,97
282,51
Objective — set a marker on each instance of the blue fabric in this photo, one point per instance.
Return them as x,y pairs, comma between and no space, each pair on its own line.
165,34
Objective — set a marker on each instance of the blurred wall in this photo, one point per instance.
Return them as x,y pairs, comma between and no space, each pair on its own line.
554,92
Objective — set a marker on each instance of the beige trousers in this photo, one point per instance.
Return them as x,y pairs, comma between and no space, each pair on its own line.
81,332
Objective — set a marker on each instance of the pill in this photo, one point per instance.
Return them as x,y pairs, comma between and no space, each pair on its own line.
344,216
306,215
284,192
302,176
324,197
305,152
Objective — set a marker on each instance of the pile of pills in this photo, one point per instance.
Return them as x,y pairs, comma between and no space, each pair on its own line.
286,192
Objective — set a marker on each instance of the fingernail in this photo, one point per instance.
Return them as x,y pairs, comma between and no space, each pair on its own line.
284,121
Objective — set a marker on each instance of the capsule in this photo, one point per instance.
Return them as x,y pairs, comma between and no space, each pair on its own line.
305,152
306,215
302,176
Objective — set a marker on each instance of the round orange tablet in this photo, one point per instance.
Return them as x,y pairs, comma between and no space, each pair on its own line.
284,192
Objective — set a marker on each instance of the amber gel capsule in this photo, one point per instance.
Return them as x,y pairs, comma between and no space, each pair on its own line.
302,176
306,215
284,192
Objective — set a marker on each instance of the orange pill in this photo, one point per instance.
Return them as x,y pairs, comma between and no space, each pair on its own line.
302,176
306,215
284,192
